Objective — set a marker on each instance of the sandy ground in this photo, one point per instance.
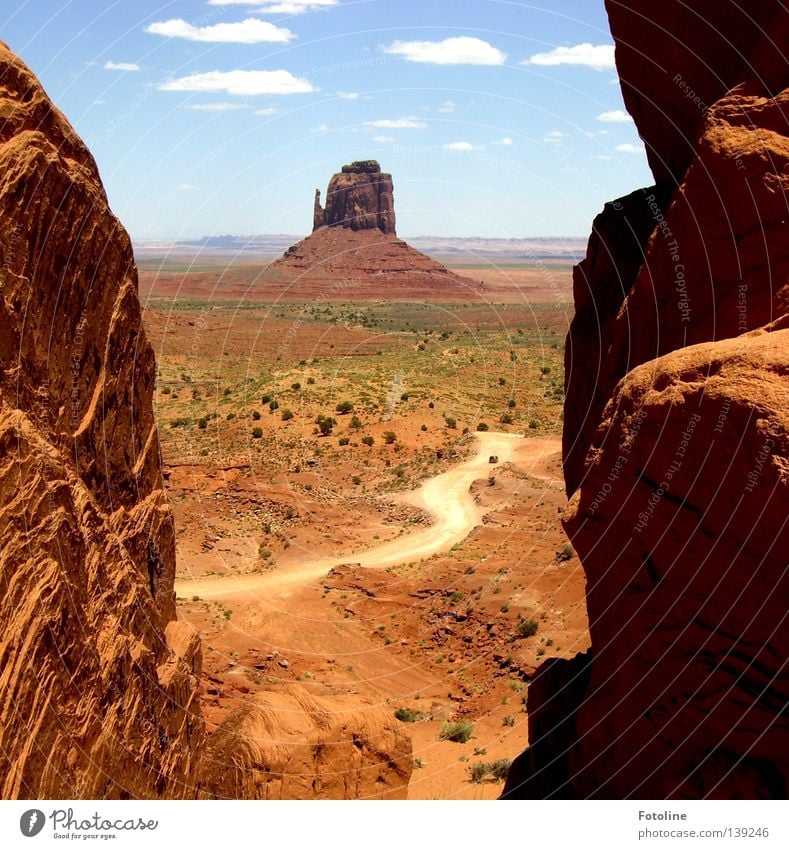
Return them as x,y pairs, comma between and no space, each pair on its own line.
447,499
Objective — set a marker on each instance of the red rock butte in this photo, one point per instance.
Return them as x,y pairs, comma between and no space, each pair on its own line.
354,248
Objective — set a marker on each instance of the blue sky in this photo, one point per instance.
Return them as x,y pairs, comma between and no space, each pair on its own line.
206,117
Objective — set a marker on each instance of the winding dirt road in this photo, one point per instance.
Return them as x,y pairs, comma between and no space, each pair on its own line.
445,497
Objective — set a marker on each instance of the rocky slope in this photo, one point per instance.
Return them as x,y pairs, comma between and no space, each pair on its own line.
676,442
98,681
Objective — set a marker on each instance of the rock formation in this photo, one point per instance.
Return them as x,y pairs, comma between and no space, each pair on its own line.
353,248
360,197
676,443
98,680
290,744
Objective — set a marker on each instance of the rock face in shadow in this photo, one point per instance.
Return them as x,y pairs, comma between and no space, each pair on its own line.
360,197
676,443
289,744
98,682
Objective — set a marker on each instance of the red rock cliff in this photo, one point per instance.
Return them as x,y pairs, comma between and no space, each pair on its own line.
98,681
677,434
360,197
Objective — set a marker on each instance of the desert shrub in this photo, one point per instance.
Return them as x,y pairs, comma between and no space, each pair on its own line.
423,428
390,437
527,627
202,423
457,732
545,369
567,552
345,441
295,386
273,405
256,415
257,432
355,423
533,424
431,405
499,769
356,480
512,403
451,422
344,407
231,416
310,381
479,772
508,721
264,399
325,424
404,396
408,715
227,390
166,390
482,427
368,440
179,422
502,381
456,597
287,415
186,378
506,418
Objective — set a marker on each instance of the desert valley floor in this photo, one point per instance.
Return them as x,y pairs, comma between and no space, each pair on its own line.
387,560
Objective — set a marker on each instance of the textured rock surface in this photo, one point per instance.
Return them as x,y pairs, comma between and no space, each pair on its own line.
354,249
677,435
289,744
97,681
360,197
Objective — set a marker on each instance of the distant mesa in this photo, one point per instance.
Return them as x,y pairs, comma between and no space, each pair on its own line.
360,197
354,247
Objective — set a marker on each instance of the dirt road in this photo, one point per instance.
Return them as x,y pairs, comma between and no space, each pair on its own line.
445,497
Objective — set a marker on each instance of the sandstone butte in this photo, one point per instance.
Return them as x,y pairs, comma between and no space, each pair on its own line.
98,679
354,246
676,432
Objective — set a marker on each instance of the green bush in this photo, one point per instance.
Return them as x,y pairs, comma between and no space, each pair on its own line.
179,422
355,423
344,441
295,386
527,627
231,416
257,432
368,440
499,769
457,732
166,390
287,415
390,437
508,721
256,415
325,424
482,427
506,419
479,772
533,424
512,404
409,715
451,422
310,381
264,399
202,423
344,407
273,405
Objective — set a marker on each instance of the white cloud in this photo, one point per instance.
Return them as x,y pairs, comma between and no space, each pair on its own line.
460,50
121,66
249,31
187,187
596,134
323,128
384,139
396,124
506,142
353,95
449,106
598,56
461,146
630,148
241,83
554,136
617,116
269,110
216,107
278,7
